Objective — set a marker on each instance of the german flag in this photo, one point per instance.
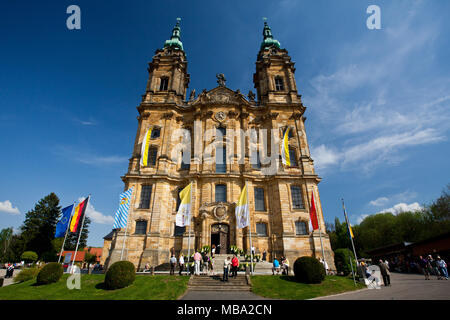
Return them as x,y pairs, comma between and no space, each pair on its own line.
78,214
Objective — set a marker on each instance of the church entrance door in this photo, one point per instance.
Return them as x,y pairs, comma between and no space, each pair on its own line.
220,237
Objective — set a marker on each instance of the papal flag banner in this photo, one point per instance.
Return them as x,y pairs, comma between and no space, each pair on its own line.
63,223
120,220
144,148
313,221
242,212
183,217
78,213
285,148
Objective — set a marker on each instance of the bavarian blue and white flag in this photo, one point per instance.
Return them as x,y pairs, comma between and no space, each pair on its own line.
63,223
120,220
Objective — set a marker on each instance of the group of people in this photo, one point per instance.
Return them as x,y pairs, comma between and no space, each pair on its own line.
436,267
282,266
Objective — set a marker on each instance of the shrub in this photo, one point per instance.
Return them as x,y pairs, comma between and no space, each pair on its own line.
29,256
309,270
120,275
50,273
27,274
342,261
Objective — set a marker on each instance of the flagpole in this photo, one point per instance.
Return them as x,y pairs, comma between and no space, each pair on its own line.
189,235
320,233
65,237
250,231
348,229
124,237
79,236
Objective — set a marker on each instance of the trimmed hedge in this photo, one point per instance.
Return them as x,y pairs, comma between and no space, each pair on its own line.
29,256
50,273
121,274
309,270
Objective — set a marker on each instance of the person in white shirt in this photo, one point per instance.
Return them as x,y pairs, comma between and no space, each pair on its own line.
226,269
181,263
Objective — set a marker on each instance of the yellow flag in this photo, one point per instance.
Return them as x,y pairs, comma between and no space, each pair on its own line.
144,148
183,217
242,212
285,148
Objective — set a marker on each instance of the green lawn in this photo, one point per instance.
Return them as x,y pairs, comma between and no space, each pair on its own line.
285,287
158,287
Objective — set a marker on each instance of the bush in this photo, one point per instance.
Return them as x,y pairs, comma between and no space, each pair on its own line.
27,274
29,256
309,270
342,261
120,275
50,273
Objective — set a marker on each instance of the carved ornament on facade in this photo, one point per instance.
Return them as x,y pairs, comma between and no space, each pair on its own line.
217,210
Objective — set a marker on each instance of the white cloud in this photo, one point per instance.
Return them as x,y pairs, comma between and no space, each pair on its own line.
402,207
361,218
99,160
379,202
88,157
324,157
97,216
6,206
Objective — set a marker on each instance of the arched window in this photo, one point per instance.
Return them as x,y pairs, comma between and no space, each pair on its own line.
146,193
164,84
221,132
261,229
256,162
300,228
179,231
185,163
221,193
221,159
293,157
152,153
156,132
279,84
297,199
178,198
259,199
141,227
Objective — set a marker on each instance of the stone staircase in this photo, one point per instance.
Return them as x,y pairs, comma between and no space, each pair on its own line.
260,267
215,283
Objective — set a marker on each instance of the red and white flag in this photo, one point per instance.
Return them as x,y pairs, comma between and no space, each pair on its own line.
313,221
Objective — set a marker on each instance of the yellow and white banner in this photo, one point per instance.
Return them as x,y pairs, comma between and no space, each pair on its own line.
183,217
144,148
242,212
285,149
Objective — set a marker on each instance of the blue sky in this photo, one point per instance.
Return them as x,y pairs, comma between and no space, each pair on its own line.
378,101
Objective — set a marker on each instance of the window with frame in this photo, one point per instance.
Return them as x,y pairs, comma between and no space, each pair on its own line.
297,199
221,193
185,165
300,228
178,198
152,153
164,84
178,231
293,157
146,194
141,227
221,132
256,162
221,161
156,133
279,85
261,229
259,199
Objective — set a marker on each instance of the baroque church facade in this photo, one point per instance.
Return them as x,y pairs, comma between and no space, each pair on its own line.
279,196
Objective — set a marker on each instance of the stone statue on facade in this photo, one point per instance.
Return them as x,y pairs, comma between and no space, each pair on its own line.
251,95
192,95
221,79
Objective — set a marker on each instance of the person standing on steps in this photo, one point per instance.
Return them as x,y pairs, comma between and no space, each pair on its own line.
234,266
213,250
264,255
197,260
226,269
